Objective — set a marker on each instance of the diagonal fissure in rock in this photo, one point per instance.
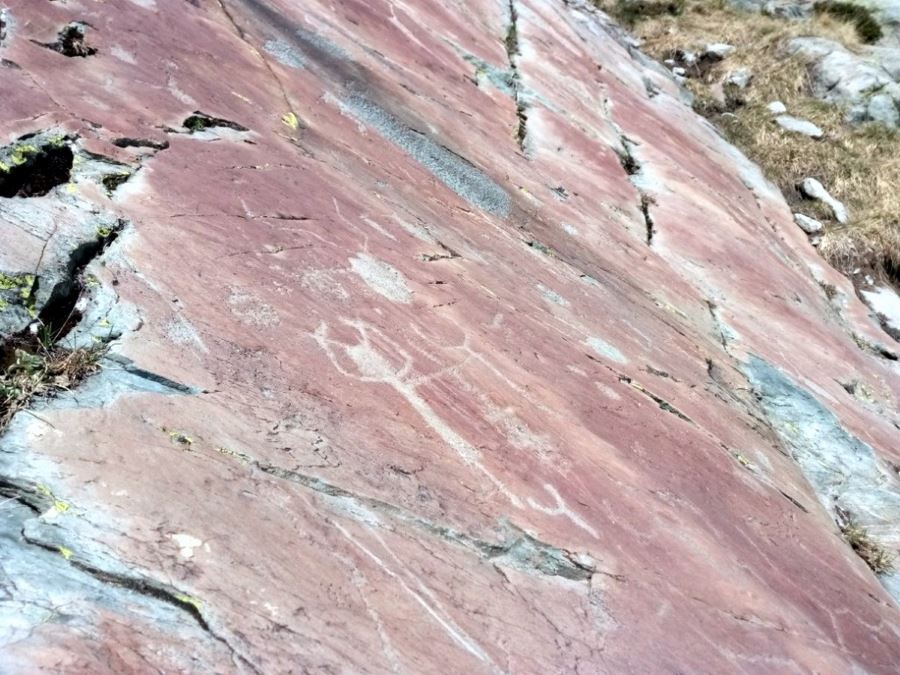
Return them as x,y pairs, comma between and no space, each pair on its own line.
634,170
512,55
151,589
518,549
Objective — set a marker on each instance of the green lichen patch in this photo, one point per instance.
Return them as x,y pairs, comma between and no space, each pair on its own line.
17,289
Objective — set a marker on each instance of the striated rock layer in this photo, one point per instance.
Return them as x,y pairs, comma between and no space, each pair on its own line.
443,338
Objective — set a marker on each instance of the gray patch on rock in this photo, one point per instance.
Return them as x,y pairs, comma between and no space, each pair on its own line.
118,376
552,296
454,171
843,471
501,79
285,54
603,348
882,109
321,45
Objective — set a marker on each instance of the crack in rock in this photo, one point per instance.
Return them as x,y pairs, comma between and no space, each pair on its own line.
200,121
659,400
518,549
151,589
634,169
512,54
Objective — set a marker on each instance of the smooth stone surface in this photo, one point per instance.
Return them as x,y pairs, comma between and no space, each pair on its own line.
807,224
799,126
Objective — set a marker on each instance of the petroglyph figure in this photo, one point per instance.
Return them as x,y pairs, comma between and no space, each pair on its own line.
390,364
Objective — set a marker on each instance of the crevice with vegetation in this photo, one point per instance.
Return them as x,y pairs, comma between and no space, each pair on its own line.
33,165
512,54
876,556
633,169
71,41
200,121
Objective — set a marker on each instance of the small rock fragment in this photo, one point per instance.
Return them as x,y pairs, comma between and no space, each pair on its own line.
813,189
739,78
776,108
685,58
717,51
807,224
678,70
799,126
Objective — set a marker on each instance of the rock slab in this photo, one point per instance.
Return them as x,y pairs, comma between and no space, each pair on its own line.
435,347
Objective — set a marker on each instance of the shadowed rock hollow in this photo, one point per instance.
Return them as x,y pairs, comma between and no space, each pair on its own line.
447,338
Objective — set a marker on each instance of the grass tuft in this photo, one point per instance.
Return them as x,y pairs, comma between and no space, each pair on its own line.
859,164
861,17
879,559
46,373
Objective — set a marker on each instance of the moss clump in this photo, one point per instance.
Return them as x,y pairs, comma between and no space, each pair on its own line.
200,121
867,27
111,181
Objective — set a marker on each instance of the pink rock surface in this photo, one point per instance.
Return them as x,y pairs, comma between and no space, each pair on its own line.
456,405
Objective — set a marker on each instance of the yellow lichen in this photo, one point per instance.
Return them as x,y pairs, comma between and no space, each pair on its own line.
188,600
290,119
65,552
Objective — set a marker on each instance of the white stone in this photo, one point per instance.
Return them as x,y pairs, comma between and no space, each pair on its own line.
807,224
717,50
799,126
776,108
740,78
813,189
883,300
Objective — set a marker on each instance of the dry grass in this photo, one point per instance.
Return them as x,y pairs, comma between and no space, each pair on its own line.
876,557
858,165
43,374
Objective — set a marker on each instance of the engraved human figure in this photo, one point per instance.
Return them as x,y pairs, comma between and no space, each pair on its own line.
395,370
